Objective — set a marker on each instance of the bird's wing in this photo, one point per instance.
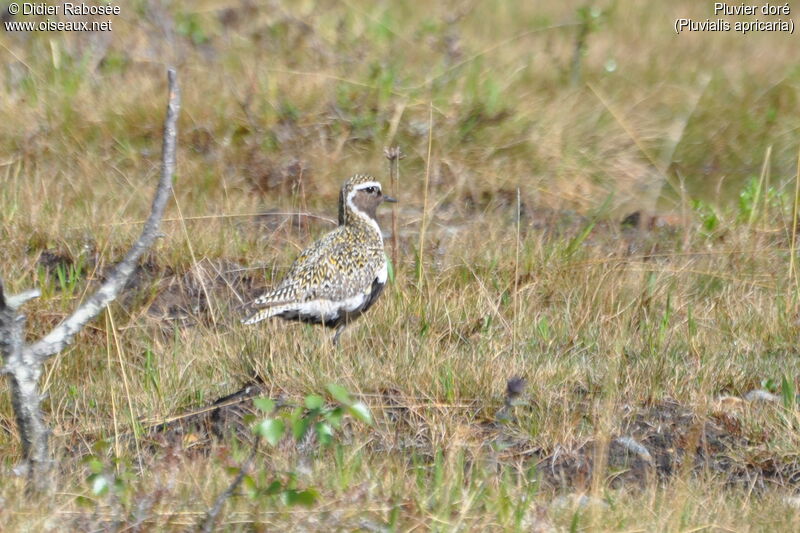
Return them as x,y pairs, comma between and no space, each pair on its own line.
300,273
346,271
331,269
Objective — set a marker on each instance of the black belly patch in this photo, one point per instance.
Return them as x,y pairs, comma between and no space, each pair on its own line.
340,316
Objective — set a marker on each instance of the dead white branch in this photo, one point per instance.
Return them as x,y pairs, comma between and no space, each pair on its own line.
16,301
61,335
23,363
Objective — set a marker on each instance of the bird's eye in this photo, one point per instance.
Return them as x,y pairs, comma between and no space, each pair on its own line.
370,190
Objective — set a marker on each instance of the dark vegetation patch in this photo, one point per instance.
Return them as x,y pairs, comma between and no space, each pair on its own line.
170,295
53,261
222,419
668,439
199,294
63,269
658,442
272,177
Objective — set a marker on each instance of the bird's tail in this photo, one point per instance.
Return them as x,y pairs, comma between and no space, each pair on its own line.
260,315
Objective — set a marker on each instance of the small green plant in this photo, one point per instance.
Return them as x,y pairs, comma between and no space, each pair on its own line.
313,414
788,393
770,385
748,198
190,25
69,276
543,329
107,479
752,195
589,20
709,219
316,415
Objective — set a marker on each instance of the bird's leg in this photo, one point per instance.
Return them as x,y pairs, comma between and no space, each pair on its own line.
336,335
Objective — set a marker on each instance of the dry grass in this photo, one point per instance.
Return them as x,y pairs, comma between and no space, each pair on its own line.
281,104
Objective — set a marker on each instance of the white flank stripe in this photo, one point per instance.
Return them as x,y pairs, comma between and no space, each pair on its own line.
383,273
320,309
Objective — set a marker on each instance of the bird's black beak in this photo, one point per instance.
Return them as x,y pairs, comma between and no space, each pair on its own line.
389,199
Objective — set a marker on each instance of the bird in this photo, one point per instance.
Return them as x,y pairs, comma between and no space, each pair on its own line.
341,275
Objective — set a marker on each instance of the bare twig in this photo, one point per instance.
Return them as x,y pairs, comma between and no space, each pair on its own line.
792,261
207,525
577,54
423,224
23,363
24,375
61,335
16,301
394,155
515,324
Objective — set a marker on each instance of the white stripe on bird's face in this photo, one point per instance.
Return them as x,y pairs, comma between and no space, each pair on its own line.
358,212
367,185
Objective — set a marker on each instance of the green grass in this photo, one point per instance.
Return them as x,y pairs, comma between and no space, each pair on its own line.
280,105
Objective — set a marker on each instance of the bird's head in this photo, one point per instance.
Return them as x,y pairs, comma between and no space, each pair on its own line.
361,193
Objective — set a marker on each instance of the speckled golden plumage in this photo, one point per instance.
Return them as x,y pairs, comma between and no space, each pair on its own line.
341,275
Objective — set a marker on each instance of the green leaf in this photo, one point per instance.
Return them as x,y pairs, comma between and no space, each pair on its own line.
99,483
339,394
264,404
306,497
83,501
94,464
576,241
119,485
787,392
274,488
250,486
101,446
300,427
360,411
314,401
389,269
324,433
271,429
299,423
334,417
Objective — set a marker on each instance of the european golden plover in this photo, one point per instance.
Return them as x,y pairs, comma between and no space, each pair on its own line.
341,275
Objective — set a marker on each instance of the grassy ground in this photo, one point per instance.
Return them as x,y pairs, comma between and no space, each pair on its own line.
656,332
